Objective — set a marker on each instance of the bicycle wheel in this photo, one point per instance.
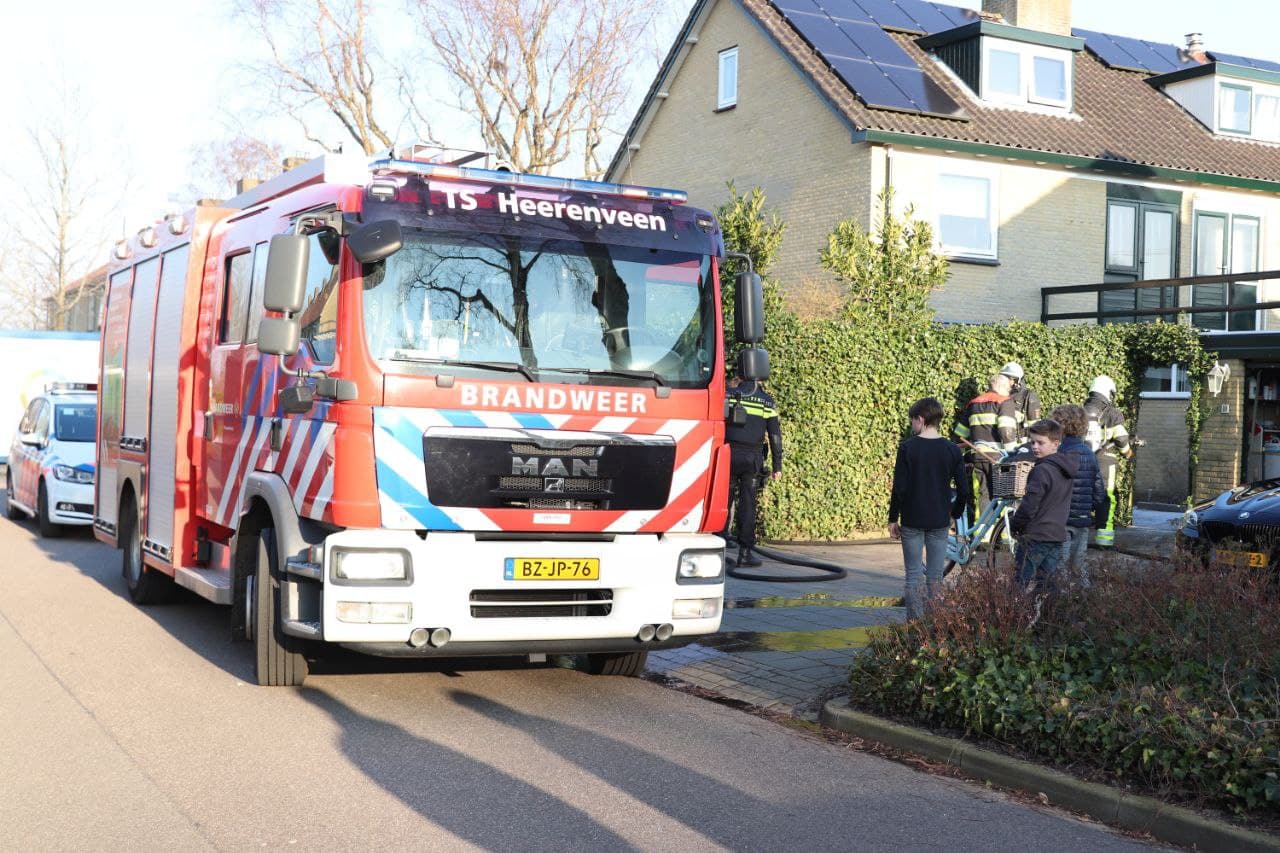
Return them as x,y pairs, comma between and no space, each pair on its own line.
998,554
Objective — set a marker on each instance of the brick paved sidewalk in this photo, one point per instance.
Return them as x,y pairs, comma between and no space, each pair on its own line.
787,646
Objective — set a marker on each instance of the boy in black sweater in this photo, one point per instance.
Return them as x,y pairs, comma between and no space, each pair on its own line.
1040,524
927,468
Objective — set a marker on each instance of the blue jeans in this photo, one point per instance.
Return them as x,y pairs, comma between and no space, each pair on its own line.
1076,553
1039,564
924,552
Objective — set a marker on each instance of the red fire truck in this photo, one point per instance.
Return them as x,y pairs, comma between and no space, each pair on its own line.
418,407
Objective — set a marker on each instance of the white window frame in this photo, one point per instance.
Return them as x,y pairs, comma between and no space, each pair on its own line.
1176,374
1217,107
724,98
1027,54
992,177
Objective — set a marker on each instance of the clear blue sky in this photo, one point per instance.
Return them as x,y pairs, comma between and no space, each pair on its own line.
158,78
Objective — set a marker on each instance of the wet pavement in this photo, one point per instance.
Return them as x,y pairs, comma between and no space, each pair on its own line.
787,646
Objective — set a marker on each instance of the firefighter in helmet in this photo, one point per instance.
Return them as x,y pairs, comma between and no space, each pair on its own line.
746,440
1025,399
990,425
1109,440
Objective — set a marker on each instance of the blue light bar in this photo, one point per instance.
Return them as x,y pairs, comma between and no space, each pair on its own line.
520,179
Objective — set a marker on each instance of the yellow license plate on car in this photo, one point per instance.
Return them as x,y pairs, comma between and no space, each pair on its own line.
552,569
1240,559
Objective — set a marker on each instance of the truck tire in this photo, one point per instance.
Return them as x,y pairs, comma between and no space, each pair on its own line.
627,664
278,661
11,509
145,585
48,528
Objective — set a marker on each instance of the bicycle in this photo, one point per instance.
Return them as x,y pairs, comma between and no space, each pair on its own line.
1009,483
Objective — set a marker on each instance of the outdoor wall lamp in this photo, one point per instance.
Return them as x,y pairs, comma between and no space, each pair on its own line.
1218,376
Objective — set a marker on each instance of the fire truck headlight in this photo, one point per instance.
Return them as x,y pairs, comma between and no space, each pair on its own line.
700,567
72,475
369,565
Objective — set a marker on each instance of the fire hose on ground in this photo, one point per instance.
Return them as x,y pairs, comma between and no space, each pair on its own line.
828,571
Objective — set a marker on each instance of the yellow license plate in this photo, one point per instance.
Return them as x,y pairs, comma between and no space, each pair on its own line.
1240,559
552,569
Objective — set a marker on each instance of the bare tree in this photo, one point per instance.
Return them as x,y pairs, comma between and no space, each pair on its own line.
324,58
218,165
63,232
543,78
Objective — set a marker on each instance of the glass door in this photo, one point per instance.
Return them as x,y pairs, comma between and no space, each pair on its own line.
1142,243
1226,244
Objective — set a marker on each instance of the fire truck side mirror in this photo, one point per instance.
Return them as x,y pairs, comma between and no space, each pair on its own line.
286,273
375,241
748,308
278,336
753,364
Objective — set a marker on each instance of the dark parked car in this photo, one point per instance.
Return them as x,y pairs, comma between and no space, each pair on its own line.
1237,528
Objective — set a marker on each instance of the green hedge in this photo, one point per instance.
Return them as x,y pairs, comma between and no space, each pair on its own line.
844,385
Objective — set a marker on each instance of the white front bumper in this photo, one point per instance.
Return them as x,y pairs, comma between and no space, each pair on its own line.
69,503
638,570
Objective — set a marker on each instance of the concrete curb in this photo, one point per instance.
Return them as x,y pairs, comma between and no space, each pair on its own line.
1172,824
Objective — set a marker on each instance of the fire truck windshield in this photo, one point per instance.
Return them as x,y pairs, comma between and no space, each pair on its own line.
535,306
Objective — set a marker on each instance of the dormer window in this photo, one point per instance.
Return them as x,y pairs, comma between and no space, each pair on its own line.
1010,66
1019,73
1230,100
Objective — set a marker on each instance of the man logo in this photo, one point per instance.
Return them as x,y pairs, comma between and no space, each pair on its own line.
553,485
555,467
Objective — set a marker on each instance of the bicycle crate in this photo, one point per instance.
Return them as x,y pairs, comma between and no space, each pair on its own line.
1009,479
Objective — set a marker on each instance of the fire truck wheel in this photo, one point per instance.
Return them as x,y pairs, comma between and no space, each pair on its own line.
146,586
48,528
11,508
277,660
629,664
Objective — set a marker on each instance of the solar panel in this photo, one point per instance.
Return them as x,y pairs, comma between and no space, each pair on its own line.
885,13
1141,50
927,15
1171,54
956,15
876,44
1247,62
871,63
798,5
1105,48
822,33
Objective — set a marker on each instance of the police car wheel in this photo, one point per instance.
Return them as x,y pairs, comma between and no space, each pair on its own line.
276,660
626,664
48,528
11,509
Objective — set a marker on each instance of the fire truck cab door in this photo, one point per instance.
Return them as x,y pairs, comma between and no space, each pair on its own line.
232,437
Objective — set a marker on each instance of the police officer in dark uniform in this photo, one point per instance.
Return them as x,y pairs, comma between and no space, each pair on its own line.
747,453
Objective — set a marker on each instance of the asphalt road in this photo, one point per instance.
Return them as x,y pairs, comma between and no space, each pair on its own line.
138,728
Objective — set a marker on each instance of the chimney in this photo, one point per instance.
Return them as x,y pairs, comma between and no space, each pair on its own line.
1195,48
1045,16
245,184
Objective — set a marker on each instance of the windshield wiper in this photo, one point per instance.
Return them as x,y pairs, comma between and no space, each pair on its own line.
626,374
503,366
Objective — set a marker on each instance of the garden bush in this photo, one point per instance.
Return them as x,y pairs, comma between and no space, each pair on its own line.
844,383
1168,678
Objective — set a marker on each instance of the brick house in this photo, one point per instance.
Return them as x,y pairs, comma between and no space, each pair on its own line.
1045,157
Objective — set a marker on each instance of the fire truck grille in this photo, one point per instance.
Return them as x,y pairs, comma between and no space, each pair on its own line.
534,603
523,484
556,503
580,451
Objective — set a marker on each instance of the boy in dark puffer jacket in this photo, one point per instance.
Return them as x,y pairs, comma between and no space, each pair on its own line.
1089,502
1040,524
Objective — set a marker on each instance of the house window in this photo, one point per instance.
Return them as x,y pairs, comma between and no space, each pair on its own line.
728,89
1266,115
1142,243
1226,243
1021,73
1168,381
1234,108
966,215
1049,80
1004,73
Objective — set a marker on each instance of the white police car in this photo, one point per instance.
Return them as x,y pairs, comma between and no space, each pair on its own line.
51,462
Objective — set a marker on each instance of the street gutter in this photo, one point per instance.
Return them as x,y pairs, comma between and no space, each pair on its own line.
1164,822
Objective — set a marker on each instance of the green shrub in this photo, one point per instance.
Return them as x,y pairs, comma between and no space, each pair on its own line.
1170,679
843,385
